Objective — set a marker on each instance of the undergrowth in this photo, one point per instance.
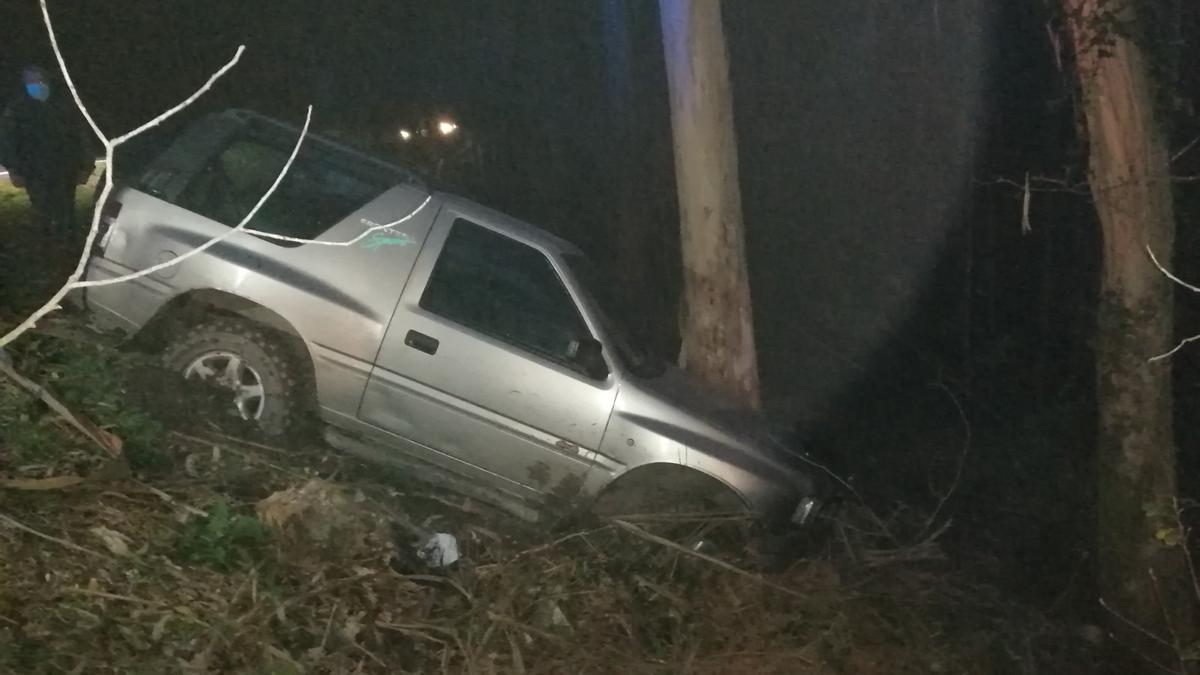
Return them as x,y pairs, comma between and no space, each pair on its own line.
97,381
224,540
219,593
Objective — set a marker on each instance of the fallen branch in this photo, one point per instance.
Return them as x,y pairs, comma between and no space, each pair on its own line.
42,484
113,596
13,522
242,441
174,502
639,532
244,455
107,441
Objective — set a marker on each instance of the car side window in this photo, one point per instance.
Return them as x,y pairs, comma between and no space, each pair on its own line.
315,194
504,289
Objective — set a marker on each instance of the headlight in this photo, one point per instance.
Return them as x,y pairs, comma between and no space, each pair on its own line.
804,510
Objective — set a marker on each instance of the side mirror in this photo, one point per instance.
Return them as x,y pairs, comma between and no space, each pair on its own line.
589,354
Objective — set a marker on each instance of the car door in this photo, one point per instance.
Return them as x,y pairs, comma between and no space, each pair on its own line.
477,367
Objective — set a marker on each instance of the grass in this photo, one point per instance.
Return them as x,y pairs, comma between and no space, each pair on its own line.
218,593
224,539
31,268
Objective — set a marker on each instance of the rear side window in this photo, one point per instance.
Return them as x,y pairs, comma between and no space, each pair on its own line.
320,189
504,289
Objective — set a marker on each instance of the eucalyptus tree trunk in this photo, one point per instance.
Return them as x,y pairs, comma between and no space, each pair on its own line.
1142,572
716,323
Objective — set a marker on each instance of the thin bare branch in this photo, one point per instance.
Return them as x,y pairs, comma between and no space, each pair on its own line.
962,459
1186,341
648,536
1185,149
13,522
349,242
73,280
91,431
1185,543
1132,624
849,488
219,238
54,303
186,102
62,66
1169,621
1026,203
1043,184
1166,355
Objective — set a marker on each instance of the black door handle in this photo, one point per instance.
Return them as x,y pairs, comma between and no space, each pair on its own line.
421,342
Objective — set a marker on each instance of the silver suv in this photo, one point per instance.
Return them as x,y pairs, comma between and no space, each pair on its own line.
462,343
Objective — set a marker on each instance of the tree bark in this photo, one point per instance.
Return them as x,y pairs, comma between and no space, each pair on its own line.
1129,176
717,322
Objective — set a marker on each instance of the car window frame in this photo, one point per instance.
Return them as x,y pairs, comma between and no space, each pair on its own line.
332,157
580,316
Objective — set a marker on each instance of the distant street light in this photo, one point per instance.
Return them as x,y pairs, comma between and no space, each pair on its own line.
405,135
446,127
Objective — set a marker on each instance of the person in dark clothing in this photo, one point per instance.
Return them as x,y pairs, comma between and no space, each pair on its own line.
43,147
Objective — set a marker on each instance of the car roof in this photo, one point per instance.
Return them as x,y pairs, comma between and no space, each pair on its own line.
250,117
514,227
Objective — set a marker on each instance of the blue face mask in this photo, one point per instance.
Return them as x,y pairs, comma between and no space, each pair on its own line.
37,90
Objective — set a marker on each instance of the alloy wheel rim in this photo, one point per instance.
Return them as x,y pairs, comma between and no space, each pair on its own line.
230,371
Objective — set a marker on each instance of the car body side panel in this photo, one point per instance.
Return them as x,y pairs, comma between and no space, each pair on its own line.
648,429
506,412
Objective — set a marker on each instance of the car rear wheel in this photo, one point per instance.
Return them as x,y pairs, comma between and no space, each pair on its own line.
246,359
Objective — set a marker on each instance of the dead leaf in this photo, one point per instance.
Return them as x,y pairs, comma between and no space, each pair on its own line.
117,543
160,627
353,626
518,661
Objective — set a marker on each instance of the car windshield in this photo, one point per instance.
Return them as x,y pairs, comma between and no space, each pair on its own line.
602,292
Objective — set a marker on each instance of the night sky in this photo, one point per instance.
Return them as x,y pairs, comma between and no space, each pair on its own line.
860,125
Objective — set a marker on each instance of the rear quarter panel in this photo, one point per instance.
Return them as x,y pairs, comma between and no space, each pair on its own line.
338,298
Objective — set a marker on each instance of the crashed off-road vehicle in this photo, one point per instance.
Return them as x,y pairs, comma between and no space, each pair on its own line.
459,343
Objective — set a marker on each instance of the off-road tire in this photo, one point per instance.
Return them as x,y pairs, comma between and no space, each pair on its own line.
680,491
285,392
666,490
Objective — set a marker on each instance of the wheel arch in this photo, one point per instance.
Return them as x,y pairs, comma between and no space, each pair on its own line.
655,474
194,307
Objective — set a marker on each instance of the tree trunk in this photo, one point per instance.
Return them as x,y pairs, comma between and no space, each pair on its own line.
1129,176
717,323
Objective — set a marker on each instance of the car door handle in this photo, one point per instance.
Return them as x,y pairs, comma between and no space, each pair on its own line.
421,342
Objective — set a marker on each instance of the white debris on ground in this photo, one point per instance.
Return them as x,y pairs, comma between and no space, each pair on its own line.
440,550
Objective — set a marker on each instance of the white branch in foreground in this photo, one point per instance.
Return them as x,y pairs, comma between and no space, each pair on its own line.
73,280
62,66
237,56
348,242
215,240
1186,341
